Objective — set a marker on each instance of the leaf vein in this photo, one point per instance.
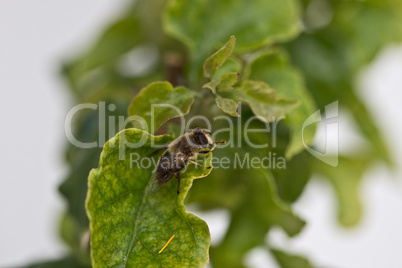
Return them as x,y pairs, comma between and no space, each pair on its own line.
137,222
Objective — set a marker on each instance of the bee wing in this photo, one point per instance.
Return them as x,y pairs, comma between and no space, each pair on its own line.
164,172
156,183
153,185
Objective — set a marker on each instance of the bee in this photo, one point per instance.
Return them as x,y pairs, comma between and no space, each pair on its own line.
179,153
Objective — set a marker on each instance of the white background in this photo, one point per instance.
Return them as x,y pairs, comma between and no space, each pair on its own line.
36,36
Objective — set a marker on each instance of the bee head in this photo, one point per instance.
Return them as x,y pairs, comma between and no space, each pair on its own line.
202,137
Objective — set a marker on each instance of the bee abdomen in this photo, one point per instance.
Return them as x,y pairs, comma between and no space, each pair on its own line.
168,166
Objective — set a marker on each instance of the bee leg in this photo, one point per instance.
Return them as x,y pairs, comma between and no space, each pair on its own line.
213,147
204,152
178,182
195,163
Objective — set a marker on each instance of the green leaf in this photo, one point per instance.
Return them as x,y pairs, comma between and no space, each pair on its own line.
129,228
227,81
229,106
287,260
292,180
211,85
231,65
212,64
222,81
346,179
273,68
221,78
203,24
263,101
157,103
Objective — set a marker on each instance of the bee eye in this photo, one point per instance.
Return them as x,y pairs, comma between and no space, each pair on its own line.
202,140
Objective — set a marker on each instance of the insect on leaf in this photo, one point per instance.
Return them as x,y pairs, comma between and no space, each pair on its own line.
130,228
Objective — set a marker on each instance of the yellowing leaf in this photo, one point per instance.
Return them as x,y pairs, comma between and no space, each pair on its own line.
129,228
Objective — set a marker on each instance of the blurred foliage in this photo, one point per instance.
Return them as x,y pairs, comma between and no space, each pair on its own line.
305,52
290,261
